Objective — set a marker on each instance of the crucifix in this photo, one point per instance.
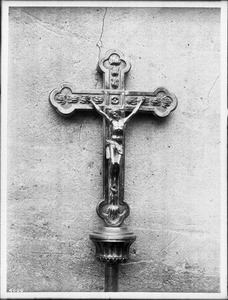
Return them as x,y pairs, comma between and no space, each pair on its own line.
116,106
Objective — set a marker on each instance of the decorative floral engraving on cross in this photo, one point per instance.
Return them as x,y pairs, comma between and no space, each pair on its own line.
160,102
85,99
115,100
97,100
65,97
66,101
132,101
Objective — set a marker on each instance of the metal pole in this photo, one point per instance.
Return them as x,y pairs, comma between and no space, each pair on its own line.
111,277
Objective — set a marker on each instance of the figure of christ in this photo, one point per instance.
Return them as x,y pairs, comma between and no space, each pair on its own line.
114,151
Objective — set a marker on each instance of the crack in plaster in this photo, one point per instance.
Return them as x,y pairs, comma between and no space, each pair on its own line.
99,43
212,86
173,240
207,97
139,262
51,28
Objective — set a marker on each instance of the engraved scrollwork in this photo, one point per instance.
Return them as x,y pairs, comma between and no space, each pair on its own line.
160,102
97,100
61,99
146,101
163,102
132,101
85,99
135,100
64,99
66,102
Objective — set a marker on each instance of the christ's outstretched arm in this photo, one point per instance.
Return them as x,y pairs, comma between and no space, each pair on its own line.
103,114
134,111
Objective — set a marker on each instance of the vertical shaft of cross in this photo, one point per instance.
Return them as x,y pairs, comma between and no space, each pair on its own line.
113,67
113,154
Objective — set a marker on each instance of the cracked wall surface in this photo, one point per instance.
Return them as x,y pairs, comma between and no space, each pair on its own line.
172,180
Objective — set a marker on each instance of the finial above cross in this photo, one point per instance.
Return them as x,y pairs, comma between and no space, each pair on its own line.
112,103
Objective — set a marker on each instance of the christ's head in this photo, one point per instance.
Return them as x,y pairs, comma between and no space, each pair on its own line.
116,114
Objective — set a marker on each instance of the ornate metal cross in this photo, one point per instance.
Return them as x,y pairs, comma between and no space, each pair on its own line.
116,106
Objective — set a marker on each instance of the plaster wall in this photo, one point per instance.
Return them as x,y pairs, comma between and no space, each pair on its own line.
172,180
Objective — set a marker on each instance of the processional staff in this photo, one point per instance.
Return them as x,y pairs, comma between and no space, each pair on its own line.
112,102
